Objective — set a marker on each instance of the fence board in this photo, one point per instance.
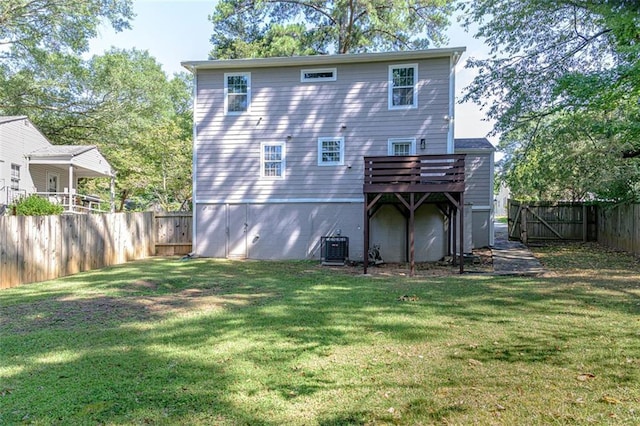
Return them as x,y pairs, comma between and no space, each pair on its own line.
173,233
37,248
619,227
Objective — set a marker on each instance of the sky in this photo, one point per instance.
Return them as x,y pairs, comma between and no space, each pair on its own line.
174,31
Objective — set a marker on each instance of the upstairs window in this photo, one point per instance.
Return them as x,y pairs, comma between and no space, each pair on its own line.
402,146
15,177
237,93
315,75
403,92
272,161
330,151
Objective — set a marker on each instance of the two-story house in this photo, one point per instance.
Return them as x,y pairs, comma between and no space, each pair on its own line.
30,164
289,150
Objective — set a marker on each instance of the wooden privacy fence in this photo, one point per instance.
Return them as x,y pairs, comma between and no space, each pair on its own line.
173,233
619,227
39,248
541,220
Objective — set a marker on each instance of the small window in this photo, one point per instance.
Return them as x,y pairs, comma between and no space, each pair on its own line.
15,177
322,74
272,161
403,92
402,146
330,151
237,93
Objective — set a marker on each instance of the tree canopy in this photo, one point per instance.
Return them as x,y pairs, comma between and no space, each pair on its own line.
120,101
264,28
562,83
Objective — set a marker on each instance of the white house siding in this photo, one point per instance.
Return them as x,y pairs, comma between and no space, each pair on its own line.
17,137
291,214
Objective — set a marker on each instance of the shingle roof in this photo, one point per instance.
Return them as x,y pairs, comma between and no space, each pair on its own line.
61,150
473,143
10,118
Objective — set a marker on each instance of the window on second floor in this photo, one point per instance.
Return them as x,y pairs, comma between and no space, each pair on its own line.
272,160
15,177
330,151
403,93
237,92
402,146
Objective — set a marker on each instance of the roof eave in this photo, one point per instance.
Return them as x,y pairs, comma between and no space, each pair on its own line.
315,60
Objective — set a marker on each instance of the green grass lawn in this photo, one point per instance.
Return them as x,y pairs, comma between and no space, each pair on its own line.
269,343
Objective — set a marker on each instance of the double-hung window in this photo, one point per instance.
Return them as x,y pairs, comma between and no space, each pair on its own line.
403,92
330,151
15,177
272,160
237,92
402,146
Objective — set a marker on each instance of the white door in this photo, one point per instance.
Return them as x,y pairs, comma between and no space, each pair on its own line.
237,228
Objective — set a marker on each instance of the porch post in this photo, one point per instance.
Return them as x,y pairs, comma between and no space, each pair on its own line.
366,232
461,232
112,193
412,242
71,189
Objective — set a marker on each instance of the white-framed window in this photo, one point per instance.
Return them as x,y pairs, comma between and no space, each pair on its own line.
330,151
403,86
53,180
272,160
402,146
15,177
318,74
237,92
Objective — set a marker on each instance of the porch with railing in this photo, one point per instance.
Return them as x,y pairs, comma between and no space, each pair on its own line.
411,181
76,203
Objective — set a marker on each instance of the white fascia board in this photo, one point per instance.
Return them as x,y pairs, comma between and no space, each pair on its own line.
280,201
320,60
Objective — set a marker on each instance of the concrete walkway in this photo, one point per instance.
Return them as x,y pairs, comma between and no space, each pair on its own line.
512,257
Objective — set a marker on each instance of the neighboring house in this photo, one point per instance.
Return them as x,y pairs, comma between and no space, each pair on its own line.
289,150
30,164
502,200
479,163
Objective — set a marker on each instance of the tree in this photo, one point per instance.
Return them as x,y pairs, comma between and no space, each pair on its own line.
557,65
263,28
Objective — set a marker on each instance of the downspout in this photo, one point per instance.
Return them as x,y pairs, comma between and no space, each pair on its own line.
71,189
453,60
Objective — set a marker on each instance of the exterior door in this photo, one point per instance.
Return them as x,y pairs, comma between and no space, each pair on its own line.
237,229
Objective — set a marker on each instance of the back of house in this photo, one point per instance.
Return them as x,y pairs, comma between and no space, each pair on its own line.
279,147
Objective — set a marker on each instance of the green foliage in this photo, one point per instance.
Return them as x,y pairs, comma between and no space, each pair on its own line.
563,84
264,28
208,342
34,205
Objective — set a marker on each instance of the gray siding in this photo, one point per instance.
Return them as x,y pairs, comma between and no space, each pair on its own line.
228,147
18,138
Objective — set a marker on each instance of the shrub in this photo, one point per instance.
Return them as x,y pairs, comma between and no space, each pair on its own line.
34,205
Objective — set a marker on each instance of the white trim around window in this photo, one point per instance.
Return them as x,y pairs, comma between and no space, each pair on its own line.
318,75
237,93
330,151
272,160
403,86
402,146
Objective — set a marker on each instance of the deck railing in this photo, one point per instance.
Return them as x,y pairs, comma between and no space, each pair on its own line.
414,173
80,203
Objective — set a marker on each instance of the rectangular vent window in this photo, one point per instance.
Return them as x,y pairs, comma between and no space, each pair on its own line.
325,74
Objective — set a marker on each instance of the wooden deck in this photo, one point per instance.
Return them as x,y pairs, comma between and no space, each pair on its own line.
413,181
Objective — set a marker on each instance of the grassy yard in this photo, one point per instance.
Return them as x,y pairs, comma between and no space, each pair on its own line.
269,343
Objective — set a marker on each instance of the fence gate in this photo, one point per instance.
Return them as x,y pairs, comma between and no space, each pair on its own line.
544,220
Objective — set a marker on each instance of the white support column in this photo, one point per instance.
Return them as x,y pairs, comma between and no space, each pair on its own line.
112,201
71,188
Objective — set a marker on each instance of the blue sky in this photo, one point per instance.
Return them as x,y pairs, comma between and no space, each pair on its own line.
179,30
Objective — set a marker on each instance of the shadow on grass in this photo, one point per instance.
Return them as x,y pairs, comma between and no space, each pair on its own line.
162,341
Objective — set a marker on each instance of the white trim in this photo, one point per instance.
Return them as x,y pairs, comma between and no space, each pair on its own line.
305,79
226,92
340,162
194,165
414,105
320,60
281,201
283,160
481,208
392,141
452,106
